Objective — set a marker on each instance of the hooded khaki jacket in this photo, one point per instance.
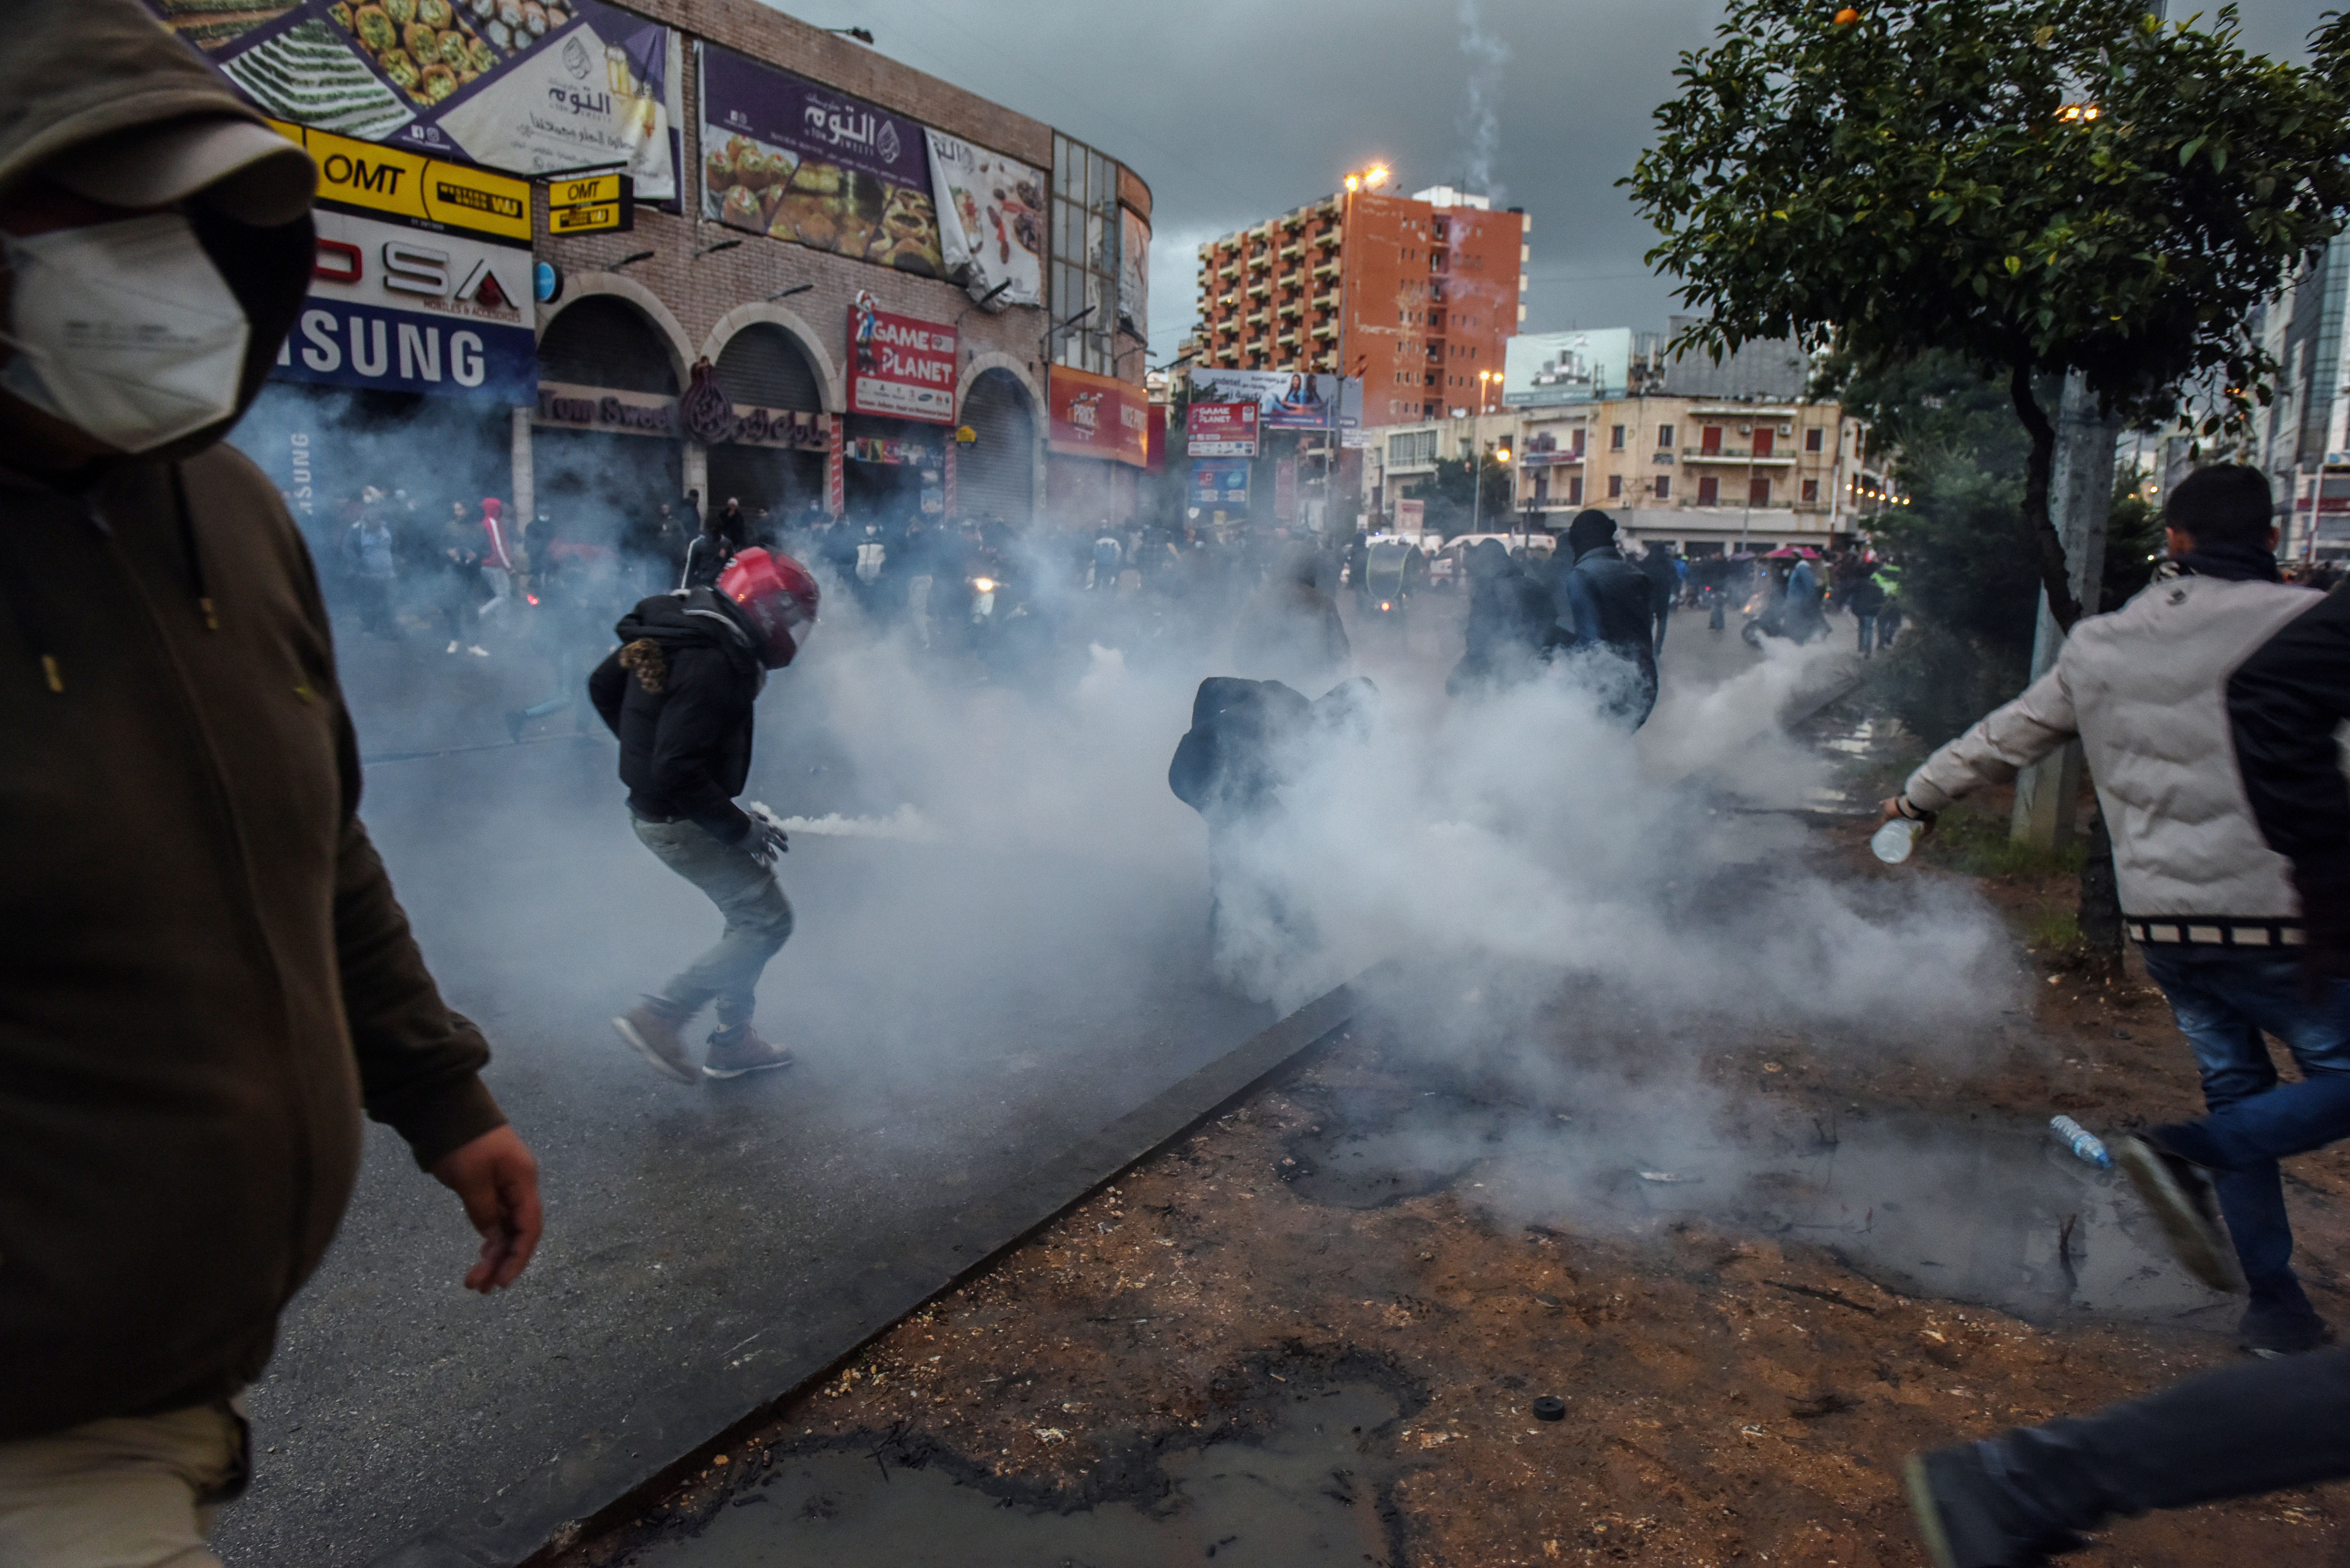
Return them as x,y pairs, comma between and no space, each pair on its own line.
205,977
2146,689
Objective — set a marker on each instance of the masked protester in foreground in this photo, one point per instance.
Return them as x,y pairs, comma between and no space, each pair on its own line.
206,978
678,693
1614,610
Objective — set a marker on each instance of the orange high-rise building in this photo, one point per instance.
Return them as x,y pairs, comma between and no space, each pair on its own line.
1418,294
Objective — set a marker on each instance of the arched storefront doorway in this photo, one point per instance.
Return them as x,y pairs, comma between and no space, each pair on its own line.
995,476
764,367
605,454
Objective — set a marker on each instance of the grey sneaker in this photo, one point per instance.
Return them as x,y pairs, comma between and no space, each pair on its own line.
651,1027
2180,1196
736,1051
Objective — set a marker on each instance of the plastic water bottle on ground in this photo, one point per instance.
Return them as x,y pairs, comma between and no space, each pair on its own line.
1893,842
2083,1142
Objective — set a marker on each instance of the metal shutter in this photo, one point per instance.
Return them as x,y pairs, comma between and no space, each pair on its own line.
996,476
601,340
763,367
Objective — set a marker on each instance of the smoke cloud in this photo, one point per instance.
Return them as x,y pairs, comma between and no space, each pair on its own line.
1481,125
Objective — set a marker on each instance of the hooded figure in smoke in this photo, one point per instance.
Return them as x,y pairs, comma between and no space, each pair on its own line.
1614,609
1511,621
679,692
1249,741
207,977
1290,630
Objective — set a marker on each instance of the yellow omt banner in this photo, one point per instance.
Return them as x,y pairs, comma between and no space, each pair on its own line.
380,179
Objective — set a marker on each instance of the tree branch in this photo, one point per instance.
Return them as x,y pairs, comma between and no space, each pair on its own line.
2039,469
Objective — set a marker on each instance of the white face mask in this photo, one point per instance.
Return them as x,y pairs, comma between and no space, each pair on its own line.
124,329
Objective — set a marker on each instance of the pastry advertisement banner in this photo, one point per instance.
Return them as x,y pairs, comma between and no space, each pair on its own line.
900,367
529,86
1096,416
1133,273
991,220
789,158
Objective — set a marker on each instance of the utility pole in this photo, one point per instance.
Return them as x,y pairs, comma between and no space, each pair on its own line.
2079,495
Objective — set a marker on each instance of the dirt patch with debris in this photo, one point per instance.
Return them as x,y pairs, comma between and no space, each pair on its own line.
1737,1385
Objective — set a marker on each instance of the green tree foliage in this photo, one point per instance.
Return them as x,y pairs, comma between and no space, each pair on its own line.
2039,186
1453,508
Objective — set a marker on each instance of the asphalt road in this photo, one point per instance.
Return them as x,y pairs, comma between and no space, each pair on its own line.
961,1015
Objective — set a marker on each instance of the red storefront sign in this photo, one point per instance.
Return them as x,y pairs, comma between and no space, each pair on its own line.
1098,416
1220,430
898,367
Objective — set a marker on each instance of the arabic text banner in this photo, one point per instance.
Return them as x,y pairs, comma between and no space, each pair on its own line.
1098,416
789,158
525,86
992,221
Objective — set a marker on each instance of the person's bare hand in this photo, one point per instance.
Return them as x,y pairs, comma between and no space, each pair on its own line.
497,1180
1889,810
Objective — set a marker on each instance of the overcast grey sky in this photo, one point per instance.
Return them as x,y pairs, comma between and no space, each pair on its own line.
1233,113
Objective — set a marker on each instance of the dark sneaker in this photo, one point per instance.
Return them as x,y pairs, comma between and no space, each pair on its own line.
736,1051
1968,1518
2179,1194
651,1027
2274,1332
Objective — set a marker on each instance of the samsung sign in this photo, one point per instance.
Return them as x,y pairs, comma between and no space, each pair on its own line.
399,307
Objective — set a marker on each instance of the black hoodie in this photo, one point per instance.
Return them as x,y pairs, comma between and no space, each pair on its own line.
679,692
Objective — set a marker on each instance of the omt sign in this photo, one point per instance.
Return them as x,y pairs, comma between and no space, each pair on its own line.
384,180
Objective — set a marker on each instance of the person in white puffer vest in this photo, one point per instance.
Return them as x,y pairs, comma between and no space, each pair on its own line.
2171,701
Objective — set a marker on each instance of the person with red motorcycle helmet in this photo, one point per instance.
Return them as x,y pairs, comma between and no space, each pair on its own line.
678,692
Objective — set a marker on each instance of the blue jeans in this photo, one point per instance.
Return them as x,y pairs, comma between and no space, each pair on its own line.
1867,625
2224,998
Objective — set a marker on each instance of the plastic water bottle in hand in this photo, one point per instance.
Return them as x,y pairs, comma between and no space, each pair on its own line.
2083,1142
1893,842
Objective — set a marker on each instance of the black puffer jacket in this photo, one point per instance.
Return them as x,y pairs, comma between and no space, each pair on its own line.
679,692
1614,609
1248,738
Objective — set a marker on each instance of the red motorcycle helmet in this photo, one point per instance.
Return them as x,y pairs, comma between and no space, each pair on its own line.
776,595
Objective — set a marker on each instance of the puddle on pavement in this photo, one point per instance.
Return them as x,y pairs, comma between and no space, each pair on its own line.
1308,1492
1984,1211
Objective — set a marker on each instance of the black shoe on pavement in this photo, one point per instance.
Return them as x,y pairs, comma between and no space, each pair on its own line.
1968,1518
2180,1197
651,1027
736,1051
2275,1330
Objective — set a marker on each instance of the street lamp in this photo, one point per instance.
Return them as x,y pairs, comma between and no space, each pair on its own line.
1477,477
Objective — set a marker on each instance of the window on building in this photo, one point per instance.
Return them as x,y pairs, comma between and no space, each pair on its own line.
1811,488
1086,230
1709,440
1758,492
1575,490
1578,441
1664,438
1709,492
1615,440
1664,487
1815,440
1615,483
1765,440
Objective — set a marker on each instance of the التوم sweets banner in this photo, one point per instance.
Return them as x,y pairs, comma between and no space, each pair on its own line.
794,160
992,221
529,86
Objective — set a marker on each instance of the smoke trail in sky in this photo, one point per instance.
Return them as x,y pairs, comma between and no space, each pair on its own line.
1482,124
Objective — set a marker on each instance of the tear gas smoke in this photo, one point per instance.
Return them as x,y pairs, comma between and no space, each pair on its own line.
1481,125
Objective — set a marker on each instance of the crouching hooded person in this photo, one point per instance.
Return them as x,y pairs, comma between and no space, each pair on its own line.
1614,609
1248,741
679,692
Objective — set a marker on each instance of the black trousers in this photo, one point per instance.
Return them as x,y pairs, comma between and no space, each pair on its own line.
2258,1427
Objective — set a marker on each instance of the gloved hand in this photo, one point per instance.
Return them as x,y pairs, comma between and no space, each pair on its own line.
767,839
